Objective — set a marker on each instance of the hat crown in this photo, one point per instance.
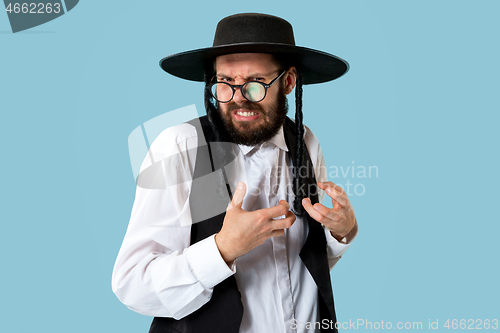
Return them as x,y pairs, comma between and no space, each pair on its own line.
256,33
253,28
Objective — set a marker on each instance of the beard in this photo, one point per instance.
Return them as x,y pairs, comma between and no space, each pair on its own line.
246,134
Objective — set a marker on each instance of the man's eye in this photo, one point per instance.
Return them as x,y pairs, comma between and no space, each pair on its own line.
225,79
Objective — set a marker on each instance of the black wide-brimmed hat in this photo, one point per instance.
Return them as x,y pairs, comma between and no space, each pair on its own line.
256,33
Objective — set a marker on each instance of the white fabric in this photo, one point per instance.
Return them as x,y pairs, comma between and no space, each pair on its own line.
158,273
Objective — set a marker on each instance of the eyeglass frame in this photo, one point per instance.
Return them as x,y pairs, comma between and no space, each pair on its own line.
240,86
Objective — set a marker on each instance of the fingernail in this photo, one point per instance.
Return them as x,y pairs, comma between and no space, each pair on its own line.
329,190
240,186
304,201
318,208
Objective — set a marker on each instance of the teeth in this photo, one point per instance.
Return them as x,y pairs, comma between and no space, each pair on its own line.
246,114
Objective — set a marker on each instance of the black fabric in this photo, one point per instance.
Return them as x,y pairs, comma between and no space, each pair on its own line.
256,33
253,28
224,311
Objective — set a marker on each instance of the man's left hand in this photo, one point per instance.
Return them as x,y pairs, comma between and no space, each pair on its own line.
340,219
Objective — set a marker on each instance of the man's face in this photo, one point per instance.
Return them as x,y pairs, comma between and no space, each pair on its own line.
251,123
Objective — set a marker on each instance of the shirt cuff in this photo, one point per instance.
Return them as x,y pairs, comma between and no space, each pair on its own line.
334,247
207,264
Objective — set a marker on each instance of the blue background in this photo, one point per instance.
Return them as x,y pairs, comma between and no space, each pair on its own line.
420,103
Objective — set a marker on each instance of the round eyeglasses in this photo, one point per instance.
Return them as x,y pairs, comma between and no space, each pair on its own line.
254,91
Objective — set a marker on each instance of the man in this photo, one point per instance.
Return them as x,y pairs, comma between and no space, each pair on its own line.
262,264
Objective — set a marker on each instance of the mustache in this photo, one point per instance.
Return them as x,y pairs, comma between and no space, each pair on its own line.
245,105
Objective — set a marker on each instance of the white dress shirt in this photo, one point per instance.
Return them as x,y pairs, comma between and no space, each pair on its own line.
158,273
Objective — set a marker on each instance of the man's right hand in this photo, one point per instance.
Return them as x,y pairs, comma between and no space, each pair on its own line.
243,231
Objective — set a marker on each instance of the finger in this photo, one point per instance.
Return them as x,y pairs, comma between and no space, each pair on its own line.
325,185
238,195
335,192
277,232
285,203
284,223
332,214
306,202
281,209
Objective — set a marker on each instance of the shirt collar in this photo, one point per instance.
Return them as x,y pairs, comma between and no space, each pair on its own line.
278,140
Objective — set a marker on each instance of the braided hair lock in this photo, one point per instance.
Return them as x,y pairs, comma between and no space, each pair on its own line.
298,181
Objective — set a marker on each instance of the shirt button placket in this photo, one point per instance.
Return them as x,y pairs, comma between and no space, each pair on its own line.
279,244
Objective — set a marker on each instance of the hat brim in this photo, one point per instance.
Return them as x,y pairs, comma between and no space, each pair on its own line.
316,66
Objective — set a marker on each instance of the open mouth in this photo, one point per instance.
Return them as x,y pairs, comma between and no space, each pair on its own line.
245,115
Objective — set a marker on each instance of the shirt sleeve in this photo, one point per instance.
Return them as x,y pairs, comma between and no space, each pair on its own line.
334,248
157,272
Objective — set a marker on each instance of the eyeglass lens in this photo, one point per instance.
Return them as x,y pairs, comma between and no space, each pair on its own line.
253,91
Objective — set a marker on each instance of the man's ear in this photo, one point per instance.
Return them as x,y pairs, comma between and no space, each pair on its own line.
290,79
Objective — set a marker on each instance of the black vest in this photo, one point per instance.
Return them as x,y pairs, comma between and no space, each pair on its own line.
224,311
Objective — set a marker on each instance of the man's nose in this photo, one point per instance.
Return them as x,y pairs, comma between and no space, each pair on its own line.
238,96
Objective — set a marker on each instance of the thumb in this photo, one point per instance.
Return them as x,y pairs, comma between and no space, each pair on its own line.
238,195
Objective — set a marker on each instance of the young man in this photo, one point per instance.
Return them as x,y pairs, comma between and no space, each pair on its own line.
262,265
